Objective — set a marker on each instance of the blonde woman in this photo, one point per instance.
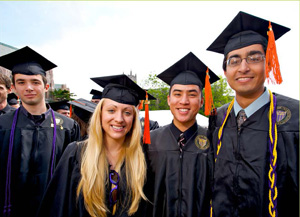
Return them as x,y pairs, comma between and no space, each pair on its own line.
105,174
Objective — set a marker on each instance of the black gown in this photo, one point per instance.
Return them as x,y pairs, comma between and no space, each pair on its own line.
60,199
31,156
180,179
7,109
242,166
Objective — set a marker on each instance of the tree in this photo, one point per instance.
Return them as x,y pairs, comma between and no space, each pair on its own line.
60,94
222,94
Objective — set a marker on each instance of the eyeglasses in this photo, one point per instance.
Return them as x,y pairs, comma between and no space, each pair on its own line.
114,179
251,59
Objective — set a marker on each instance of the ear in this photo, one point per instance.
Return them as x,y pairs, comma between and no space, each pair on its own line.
168,98
202,101
47,87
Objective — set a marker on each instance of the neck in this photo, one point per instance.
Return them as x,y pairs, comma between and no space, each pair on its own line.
245,100
36,109
183,126
113,152
3,104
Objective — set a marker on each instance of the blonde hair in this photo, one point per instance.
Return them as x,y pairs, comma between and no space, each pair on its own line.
94,167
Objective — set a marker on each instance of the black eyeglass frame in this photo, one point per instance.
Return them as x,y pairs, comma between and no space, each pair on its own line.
250,59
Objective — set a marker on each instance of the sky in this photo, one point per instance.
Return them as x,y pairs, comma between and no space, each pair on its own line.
99,38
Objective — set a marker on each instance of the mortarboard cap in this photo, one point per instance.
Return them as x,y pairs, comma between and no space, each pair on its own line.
26,61
245,30
83,108
188,70
96,94
12,99
63,104
122,89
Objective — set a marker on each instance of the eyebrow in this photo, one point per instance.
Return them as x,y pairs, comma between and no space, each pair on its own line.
178,90
248,54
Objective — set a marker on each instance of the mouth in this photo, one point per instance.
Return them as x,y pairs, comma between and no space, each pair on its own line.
244,79
183,110
117,128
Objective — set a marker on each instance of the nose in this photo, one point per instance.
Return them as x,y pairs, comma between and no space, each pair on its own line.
244,67
184,99
29,87
119,117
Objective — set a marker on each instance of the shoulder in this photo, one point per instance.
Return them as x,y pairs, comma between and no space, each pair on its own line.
6,119
160,130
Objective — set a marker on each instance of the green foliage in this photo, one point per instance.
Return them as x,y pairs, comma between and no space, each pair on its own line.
159,90
60,94
222,94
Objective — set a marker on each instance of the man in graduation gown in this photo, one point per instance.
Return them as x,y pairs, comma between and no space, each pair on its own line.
256,171
32,138
61,107
5,89
177,155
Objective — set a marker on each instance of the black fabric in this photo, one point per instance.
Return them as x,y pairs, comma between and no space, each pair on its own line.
7,109
26,61
188,70
31,157
60,199
244,30
242,166
180,179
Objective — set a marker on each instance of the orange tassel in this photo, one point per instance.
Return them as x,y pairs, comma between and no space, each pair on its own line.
141,105
70,110
272,63
209,105
146,136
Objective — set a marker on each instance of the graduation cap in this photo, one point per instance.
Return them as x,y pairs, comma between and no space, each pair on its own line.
245,30
188,70
83,108
191,70
63,104
12,99
96,94
122,89
26,61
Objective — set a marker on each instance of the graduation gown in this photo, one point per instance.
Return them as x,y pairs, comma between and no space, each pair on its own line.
61,200
242,166
7,109
31,157
180,179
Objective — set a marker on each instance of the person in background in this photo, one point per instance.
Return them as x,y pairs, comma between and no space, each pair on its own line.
255,138
177,154
61,107
32,138
82,111
13,100
105,174
5,89
97,96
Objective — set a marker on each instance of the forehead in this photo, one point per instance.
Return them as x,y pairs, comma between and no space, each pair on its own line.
247,49
109,102
28,77
182,87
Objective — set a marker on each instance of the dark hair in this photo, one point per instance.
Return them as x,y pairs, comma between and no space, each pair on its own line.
43,78
4,79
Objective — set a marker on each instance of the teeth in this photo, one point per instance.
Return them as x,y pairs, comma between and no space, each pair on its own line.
243,78
183,110
117,128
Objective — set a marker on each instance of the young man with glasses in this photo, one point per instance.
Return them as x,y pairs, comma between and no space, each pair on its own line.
255,138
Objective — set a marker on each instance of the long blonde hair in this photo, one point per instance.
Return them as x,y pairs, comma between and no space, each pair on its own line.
94,167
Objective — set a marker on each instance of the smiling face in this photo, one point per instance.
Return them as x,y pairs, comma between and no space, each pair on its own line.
246,79
185,102
31,89
117,120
